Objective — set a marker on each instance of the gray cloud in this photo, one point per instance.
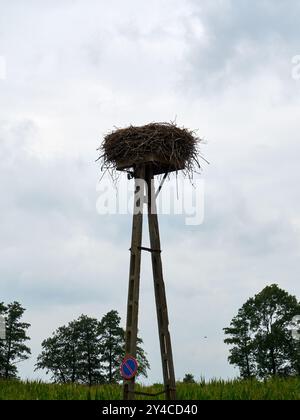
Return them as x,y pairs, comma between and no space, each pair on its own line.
240,39
76,71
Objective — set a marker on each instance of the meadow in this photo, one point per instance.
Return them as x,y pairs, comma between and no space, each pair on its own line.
274,389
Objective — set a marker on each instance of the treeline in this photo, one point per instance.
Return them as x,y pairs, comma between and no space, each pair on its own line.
89,351
86,351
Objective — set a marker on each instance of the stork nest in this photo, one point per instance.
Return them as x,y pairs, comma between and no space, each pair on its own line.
168,145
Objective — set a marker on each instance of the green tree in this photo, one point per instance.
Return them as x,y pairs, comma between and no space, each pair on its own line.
263,345
241,337
88,351
189,379
141,356
72,354
112,338
57,358
13,349
89,364
112,345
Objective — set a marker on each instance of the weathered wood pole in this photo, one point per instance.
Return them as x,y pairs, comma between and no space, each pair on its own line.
160,293
143,174
134,277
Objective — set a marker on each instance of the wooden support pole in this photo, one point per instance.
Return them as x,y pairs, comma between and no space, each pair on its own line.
160,294
134,277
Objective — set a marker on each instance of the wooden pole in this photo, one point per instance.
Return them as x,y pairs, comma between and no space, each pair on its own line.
160,294
134,277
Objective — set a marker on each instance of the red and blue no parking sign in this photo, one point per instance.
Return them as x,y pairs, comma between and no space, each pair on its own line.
129,368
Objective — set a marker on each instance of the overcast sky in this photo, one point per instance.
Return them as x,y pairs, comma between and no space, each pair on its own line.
72,70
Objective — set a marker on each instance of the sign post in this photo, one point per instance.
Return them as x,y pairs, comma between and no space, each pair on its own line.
129,368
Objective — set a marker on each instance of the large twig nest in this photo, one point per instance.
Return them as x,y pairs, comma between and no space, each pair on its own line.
168,146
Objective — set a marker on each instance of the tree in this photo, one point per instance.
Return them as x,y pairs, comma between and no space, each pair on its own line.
242,354
113,348
88,351
57,358
89,364
72,354
141,356
263,345
189,379
13,350
112,345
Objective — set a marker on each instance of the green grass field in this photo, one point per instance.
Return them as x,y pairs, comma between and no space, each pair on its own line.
275,389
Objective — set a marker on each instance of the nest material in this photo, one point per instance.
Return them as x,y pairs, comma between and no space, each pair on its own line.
166,144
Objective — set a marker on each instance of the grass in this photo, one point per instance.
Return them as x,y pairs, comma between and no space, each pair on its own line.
274,389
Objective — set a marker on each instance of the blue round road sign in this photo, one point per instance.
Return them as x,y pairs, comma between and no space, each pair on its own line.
129,367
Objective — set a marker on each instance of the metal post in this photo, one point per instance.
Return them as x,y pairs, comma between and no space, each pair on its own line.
160,294
134,277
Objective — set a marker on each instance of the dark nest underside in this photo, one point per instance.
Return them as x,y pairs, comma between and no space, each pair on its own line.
167,146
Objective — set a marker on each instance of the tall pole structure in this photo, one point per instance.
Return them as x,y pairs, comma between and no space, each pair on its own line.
160,293
143,153
144,183
134,276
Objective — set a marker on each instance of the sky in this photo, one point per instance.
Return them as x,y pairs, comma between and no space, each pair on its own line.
71,71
